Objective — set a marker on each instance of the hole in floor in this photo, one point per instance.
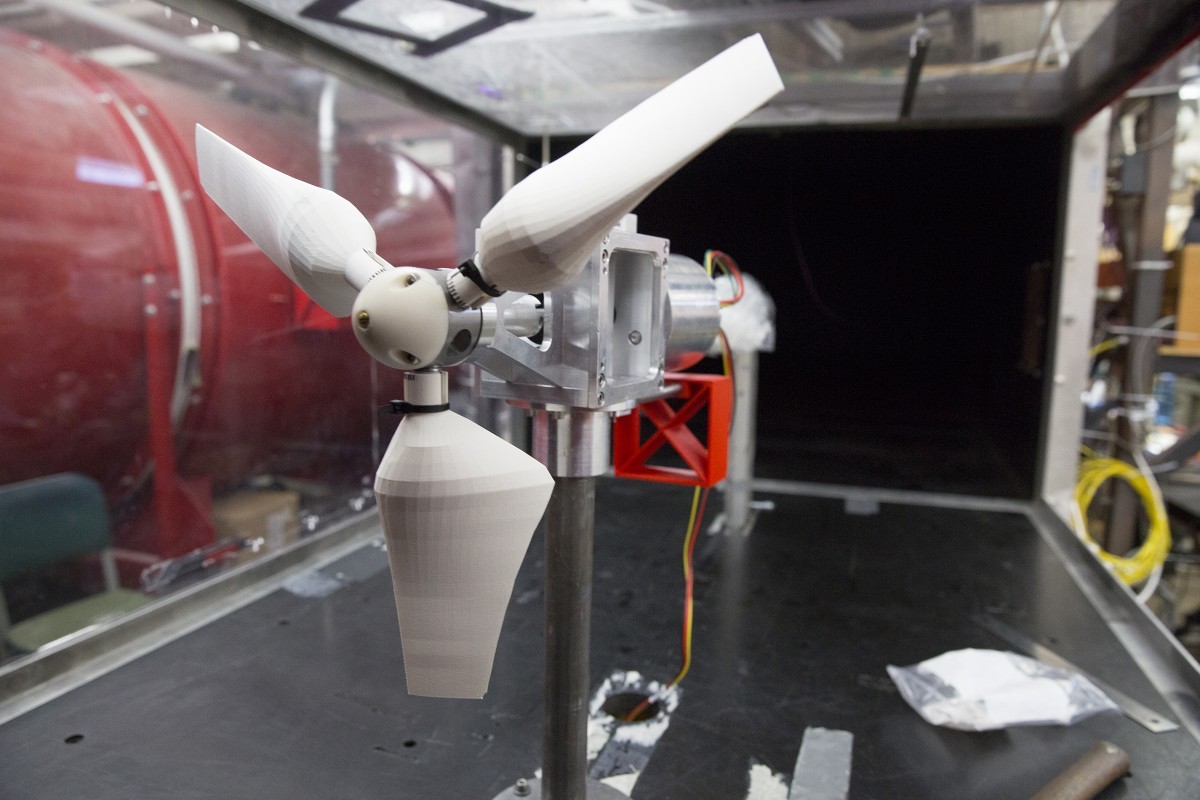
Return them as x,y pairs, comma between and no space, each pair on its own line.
74,738
621,704
410,743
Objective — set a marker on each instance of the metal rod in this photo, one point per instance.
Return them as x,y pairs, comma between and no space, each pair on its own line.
917,50
1147,210
738,490
570,523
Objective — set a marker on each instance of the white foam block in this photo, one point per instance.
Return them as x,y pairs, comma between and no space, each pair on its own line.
308,232
459,506
541,233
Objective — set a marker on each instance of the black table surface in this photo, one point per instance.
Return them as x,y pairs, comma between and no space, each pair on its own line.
303,697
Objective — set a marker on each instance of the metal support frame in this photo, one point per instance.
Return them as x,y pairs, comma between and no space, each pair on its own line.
574,446
1146,209
737,490
604,349
570,523
1074,305
604,343
290,40
1131,40
1151,214
1134,36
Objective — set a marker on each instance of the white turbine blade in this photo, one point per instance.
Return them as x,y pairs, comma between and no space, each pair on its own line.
310,233
541,233
459,506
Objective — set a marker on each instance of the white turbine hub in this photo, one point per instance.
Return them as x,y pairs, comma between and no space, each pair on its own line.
401,318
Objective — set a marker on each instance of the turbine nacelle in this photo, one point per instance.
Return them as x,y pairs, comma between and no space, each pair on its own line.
458,504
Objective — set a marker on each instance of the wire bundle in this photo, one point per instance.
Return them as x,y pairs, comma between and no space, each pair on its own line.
717,260
1147,559
699,503
713,259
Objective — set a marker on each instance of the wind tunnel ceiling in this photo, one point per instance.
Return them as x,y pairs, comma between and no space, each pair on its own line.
531,68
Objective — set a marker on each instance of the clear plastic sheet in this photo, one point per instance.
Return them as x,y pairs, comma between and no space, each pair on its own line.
983,690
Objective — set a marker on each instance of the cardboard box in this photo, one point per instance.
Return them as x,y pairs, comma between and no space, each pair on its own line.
1189,302
271,516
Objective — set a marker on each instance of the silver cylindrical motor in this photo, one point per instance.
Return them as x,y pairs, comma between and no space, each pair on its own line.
693,312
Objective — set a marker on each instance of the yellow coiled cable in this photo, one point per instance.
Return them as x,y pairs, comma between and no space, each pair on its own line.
1133,569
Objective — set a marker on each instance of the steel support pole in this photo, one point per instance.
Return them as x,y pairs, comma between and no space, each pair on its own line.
574,445
737,490
570,523
1144,256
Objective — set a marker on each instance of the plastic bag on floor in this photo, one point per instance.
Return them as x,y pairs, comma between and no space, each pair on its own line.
983,690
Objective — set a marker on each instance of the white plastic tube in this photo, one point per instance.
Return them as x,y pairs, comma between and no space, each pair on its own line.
459,506
541,233
313,235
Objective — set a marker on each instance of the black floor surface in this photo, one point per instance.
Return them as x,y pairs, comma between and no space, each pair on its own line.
303,697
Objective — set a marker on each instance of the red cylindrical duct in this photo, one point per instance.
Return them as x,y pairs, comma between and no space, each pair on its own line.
134,316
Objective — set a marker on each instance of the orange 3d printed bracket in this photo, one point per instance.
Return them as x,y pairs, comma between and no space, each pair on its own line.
705,462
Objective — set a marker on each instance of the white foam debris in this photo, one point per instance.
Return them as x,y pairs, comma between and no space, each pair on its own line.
622,783
766,784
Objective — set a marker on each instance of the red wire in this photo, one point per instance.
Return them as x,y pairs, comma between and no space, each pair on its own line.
688,607
726,262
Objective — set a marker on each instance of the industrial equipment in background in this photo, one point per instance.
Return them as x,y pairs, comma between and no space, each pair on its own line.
599,321
1141,434
182,371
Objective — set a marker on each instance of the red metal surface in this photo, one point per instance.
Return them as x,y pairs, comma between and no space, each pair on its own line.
705,461
279,388
182,511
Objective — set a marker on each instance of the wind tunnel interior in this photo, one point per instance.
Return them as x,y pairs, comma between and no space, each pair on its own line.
911,271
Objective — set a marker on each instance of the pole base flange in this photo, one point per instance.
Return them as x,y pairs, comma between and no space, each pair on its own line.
532,790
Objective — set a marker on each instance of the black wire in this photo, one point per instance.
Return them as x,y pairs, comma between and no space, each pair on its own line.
916,62
805,272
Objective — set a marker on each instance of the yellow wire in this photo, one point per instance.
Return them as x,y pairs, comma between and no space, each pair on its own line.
687,542
1093,472
1105,346
688,615
687,576
687,564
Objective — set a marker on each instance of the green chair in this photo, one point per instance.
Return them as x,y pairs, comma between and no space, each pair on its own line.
46,521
